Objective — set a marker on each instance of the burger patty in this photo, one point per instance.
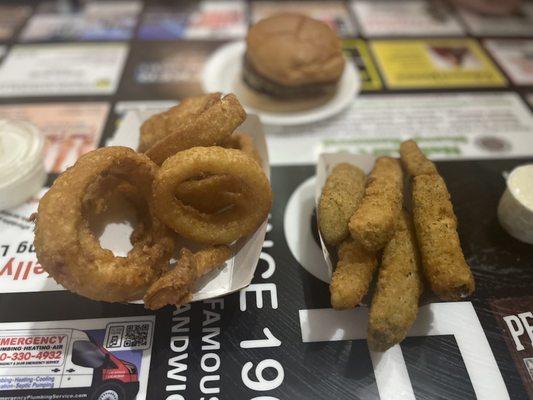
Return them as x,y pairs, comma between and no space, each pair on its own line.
266,86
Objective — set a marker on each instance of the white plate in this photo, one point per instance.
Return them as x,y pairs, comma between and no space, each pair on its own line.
222,73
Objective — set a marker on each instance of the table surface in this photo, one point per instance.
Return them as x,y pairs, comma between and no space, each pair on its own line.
461,83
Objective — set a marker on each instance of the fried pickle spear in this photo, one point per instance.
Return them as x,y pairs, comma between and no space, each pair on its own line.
373,223
443,261
399,286
340,198
211,127
414,161
174,287
444,264
352,276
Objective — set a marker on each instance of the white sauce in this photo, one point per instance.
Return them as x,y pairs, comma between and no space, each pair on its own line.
22,172
520,184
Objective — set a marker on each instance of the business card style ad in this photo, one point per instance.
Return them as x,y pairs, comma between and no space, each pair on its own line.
93,20
69,129
62,69
357,50
333,13
515,57
406,18
519,23
435,63
217,20
101,358
166,70
515,318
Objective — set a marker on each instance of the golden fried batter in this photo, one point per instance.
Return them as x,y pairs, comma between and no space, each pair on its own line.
373,223
160,125
211,127
174,287
340,198
243,142
444,264
414,161
212,194
399,286
70,252
223,228
352,276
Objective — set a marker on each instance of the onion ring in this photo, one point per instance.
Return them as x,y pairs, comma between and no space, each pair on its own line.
208,128
174,287
211,194
220,228
69,251
243,142
158,126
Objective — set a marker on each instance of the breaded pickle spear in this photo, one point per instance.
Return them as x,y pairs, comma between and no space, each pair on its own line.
340,198
374,221
352,276
435,223
444,264
414,161
399,286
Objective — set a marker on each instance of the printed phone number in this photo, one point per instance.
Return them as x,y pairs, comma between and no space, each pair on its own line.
28,355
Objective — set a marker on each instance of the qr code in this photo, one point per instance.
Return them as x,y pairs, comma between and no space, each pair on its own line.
136,335
129,335
114,337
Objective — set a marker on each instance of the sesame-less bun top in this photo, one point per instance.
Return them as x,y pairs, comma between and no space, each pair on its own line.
292,50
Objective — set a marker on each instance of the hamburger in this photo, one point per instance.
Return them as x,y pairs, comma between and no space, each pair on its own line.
290,55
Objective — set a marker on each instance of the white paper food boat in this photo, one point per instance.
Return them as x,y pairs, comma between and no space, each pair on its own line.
239,270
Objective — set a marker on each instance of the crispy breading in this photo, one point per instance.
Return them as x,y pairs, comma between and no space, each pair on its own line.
414,161
211,127
212,194
174,287
160,125
398,289
435,223
373,223
340,198
352,276
245,215
71,253
243,142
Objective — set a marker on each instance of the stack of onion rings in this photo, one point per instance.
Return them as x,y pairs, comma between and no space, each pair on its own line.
212,195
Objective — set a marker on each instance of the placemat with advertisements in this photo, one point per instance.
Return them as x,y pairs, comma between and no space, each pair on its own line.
458,82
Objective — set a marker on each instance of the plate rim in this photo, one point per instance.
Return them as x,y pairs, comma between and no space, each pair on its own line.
319,113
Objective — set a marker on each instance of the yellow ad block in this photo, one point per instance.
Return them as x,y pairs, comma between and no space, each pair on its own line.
357,51
435,63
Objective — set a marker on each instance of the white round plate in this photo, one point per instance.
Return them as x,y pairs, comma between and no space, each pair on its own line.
222,73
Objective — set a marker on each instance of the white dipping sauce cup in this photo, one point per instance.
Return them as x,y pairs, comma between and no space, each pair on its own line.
22,171
515,211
